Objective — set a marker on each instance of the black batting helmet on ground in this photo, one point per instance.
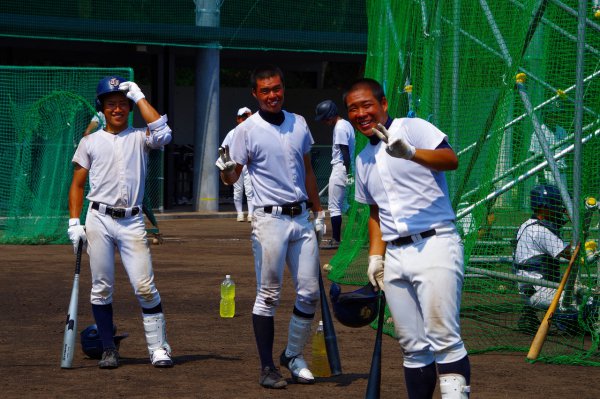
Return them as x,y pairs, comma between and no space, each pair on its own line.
91,344
354,309
326,110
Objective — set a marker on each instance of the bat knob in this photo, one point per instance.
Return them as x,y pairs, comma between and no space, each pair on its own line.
590,203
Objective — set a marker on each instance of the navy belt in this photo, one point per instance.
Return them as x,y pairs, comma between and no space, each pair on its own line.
412,238
293,209
116,213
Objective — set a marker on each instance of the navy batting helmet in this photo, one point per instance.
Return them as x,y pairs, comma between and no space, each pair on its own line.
546,196
107,85
354,309
91,344
326,110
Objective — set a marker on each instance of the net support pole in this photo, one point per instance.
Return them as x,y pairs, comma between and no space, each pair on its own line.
579,91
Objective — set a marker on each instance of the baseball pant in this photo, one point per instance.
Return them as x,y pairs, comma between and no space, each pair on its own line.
337,190
243,183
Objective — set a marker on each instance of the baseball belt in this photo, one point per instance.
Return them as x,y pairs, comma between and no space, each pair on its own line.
412,238
293,209
116,213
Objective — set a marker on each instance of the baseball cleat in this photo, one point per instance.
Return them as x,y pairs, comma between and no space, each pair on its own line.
161,358
298,367
110,359
270,377
240,217
330,244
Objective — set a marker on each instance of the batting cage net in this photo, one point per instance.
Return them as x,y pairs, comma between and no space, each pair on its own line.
499,77
44,112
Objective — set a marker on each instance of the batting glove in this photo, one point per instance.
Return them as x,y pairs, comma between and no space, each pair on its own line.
375,271
349,180
224,161
132,91
320,227
396,146
76,232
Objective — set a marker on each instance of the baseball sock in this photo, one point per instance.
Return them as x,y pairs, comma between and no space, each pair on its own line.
154,310
421,381
264,332
462,367
336,227
103,314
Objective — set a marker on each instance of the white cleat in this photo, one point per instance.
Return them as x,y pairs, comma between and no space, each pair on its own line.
298,367
161,358
240,217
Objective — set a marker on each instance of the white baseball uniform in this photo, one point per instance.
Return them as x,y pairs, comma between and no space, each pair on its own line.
343,134
242,184
274,158
117,165
423,278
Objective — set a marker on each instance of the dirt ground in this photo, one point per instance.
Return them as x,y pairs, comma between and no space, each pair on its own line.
214,357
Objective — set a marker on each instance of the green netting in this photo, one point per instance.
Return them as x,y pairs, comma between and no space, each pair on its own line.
338,27
43,114
455,64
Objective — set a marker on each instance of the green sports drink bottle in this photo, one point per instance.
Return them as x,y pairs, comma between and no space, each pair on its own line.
227,308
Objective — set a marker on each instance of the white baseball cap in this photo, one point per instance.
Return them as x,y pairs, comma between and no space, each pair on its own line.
244,110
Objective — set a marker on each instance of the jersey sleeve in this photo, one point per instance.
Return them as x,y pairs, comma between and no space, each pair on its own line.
423,134
81,156
238,146
361,192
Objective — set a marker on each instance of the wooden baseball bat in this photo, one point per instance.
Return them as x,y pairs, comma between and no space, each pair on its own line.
333,355
542,332
68,347
374,383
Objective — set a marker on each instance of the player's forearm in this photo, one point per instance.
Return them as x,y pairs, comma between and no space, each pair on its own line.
376,244
439,160
346,157
313,192
75,201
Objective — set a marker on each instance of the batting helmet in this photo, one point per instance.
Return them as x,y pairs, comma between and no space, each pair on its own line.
354,309
107,85
326,110
546,196
91,344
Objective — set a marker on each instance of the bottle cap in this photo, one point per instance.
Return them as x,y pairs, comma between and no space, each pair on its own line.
228,276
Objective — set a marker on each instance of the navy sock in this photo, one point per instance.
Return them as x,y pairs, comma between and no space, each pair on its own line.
154,310
264,332
336,227
103,314
420,382
462,367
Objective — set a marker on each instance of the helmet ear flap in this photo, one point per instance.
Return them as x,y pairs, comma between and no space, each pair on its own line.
98,105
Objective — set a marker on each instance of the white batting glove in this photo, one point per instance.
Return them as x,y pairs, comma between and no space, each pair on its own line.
132,91
375,271
396,146
76,232
319,224
349,180
224,161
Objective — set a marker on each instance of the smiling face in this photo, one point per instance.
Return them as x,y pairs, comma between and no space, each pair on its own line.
116,107
365,111
269,93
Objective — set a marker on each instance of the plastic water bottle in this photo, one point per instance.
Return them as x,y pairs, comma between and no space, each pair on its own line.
227,308
320,363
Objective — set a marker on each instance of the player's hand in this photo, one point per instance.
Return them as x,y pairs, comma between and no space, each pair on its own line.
320,227
396,146
224,161
349,180
76,232
375,271
132,91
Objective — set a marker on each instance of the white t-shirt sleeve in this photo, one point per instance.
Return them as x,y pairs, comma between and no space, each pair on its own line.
82,157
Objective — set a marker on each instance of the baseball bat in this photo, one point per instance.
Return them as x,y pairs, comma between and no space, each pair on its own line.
374,383
542,332
68,348
333,355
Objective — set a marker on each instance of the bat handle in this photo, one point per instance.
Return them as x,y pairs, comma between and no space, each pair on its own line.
374,383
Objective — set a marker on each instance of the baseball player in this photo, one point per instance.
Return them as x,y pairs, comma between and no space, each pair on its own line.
341,176
275,146
97,121
243,184
537,256
115,159
399,174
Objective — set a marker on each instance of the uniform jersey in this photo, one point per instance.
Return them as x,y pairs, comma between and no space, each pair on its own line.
274,156
117,165
343,134
411,198
535,239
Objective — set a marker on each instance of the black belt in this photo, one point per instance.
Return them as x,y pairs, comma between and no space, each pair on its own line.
116,213
413,238
293,209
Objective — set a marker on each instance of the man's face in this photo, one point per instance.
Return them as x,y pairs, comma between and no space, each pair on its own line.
269,94
364,111
116,108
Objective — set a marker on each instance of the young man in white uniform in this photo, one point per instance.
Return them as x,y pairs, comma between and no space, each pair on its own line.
275,146
399,174
342,152
243,184
115,159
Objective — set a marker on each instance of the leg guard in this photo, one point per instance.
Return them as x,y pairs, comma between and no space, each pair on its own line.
156,338
299,332
454,386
